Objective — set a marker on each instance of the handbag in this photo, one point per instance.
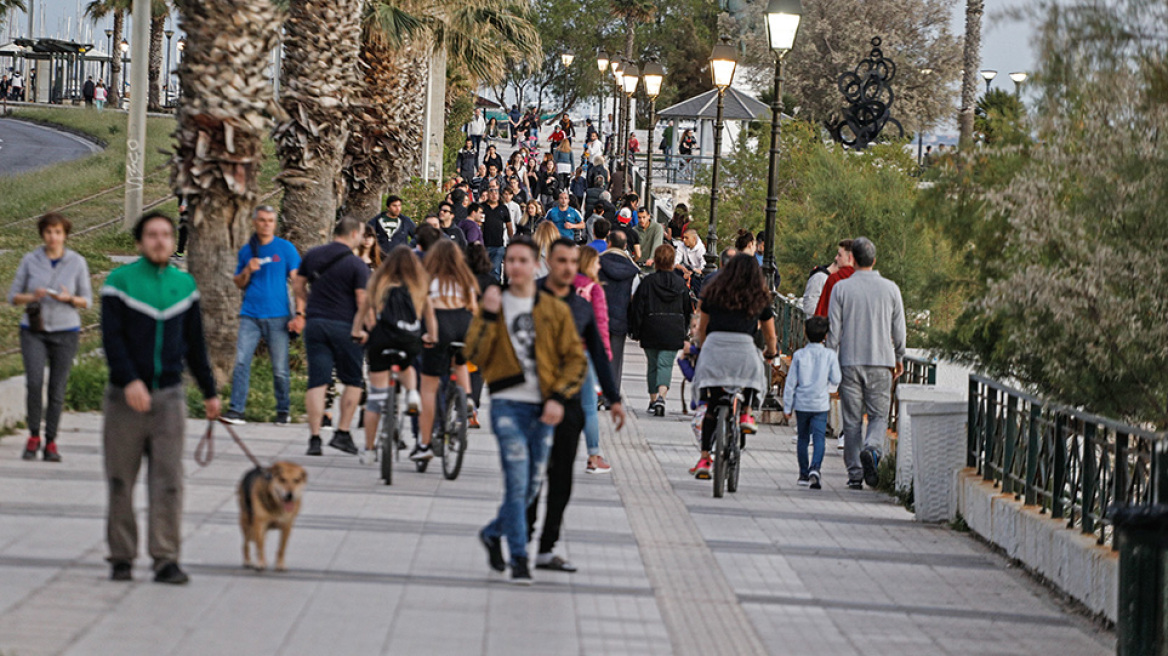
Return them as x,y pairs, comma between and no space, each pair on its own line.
36,322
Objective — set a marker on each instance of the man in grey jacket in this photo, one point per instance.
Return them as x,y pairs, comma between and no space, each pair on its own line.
866,314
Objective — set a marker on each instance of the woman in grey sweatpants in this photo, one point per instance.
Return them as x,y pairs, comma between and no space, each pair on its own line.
53,284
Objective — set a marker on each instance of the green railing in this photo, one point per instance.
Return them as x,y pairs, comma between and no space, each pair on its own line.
1071,464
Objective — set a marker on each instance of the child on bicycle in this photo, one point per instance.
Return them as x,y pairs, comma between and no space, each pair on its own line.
814,369
392,318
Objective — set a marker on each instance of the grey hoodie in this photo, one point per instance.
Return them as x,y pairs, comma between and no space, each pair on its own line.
37,271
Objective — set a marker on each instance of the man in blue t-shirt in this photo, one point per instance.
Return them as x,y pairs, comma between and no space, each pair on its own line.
265,265
565,217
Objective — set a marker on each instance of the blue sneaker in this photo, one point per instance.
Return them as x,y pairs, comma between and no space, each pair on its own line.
869,460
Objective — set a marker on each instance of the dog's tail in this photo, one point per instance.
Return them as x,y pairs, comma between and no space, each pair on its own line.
245,486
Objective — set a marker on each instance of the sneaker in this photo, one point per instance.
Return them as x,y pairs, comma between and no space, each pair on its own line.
520,574
747,425
366,456
814,478
234,418
597,465
421,453
869,460
282,419
855,485
494,547
659,407
839,442
326,421
804,481
51,454
473,422
121,570
413,402
170,573
795,439
342,441
701,470
314,446
31,447
553,562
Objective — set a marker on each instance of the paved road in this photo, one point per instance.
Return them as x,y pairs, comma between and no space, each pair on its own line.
665,568
26,146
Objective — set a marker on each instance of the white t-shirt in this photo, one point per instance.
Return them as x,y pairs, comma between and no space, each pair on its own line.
517,314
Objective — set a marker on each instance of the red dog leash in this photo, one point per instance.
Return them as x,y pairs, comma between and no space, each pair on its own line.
205,451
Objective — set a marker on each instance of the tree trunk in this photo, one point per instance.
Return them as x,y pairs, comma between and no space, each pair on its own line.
321,48
223,119
114,93
971,61
157,25
630,37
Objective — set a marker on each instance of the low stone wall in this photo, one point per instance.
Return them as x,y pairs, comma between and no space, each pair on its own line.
11,401
1070,560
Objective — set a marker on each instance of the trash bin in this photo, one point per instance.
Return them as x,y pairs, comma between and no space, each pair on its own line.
930,447
1141,536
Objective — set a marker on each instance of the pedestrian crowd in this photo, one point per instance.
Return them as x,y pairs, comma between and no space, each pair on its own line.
528,280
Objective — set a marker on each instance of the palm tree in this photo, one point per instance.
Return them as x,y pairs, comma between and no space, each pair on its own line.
97,10
159,12
633,12
321,49
971,60
223,119
481,38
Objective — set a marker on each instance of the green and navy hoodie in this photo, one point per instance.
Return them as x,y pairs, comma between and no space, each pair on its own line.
150,323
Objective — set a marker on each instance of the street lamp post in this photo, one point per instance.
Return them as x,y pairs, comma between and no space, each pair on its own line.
602,66
921,130
619,102
723,61
630,75
166,87
989,75
180,47
1018,78
123,47
109,53
782,25
566,58
654,75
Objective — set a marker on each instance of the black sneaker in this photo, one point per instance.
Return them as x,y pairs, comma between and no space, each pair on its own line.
282,419
803,481
813,479
421,453
553,562
326,421
342,441
234,418
121,571
170,573
520,573
869,460
494,547
314,446
855,485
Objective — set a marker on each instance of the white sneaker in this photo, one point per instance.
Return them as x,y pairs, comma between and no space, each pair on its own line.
795,439
365,456
839,442
413,402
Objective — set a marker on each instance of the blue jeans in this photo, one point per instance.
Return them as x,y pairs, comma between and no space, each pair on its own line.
274,331
523,450
496,255
591,412
812,427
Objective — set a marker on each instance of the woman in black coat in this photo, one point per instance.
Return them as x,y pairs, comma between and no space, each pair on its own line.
659,318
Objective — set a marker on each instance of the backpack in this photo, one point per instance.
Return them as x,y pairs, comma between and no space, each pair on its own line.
398,323
818,269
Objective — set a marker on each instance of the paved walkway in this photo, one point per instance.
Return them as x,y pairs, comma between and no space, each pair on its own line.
665,568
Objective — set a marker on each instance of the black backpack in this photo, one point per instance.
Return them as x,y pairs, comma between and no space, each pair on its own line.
399,323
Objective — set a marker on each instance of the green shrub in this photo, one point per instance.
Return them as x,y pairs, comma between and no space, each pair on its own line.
87,382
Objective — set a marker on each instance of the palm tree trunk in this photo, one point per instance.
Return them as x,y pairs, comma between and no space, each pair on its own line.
630,37
321,48
115,91
157,25
223,118
971,60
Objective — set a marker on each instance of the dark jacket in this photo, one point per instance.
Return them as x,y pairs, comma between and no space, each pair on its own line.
403,235
660,313
466,163
584,316
591,198
617,275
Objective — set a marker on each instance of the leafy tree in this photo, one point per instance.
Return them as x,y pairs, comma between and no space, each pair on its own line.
1001,119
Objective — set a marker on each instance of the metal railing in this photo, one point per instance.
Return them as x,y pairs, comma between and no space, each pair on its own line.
1072,464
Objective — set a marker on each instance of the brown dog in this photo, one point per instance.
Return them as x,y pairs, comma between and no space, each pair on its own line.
269,498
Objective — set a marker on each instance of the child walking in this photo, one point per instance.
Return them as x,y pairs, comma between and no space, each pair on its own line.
814,368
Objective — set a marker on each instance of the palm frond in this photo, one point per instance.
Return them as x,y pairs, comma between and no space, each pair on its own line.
394,24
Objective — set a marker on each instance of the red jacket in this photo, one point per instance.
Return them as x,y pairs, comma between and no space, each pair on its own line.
825,298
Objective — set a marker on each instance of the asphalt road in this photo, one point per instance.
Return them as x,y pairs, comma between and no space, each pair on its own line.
27,147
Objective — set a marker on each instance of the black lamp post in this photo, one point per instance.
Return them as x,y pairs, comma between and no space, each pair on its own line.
921,130
619,98
166,87
180,46
630,75
723,61
989,76
783,18
109,53
654,75
123,47
602,66
1018,78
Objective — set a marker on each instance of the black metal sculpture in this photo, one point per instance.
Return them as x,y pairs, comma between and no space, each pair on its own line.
869,97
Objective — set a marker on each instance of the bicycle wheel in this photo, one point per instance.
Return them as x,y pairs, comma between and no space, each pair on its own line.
388,431
734,460
454,432
720,438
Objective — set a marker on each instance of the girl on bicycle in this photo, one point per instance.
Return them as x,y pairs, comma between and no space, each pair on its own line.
453,299
734,305
389,320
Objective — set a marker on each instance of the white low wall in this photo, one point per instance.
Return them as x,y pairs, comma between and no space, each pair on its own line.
11,401
1070,560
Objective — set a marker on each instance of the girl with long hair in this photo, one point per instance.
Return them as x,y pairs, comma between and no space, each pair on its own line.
454,299
545,234
734,307
532,212
588,286
401,275
368,250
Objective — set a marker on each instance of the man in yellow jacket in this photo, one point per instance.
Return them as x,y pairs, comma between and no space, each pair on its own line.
525,344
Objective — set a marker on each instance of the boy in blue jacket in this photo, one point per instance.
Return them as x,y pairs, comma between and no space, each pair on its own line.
814,369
